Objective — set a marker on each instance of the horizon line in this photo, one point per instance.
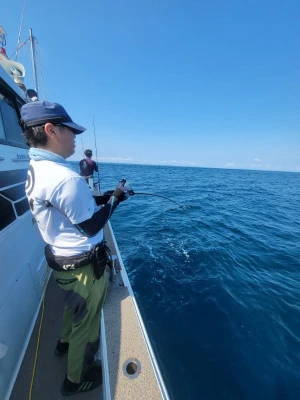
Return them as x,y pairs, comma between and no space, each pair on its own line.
190,166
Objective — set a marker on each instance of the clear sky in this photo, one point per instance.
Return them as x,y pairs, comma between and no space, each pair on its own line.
209,83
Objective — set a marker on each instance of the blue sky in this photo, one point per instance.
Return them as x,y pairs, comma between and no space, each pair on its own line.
198,83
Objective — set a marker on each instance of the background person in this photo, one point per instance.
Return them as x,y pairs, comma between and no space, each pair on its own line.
71,223
87,165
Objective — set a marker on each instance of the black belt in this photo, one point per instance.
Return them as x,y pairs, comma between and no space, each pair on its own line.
99,256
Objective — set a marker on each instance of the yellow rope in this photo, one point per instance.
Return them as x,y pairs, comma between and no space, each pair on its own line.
38,338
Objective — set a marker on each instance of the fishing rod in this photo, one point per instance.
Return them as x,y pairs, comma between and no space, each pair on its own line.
82,144
131,192
96,152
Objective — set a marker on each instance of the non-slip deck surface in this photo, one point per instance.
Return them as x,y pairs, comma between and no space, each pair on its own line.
50,369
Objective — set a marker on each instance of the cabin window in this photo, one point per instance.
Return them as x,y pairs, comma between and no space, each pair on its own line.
2,135
7,212
13,201
10,130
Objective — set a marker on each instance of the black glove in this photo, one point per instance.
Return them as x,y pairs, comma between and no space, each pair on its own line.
121,192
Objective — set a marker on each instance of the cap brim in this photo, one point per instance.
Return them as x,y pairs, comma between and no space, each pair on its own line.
77,129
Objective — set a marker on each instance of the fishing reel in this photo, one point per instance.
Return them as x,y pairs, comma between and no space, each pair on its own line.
128,192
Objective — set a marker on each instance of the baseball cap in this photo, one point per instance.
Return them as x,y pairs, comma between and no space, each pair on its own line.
40,112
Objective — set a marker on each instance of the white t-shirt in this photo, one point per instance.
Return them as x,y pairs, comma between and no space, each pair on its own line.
71,202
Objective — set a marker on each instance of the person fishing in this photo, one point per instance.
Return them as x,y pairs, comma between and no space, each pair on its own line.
88,166
71,223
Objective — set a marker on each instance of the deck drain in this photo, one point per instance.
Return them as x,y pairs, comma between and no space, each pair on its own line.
132,368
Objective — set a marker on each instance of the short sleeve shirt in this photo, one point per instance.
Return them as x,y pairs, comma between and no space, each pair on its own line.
60,199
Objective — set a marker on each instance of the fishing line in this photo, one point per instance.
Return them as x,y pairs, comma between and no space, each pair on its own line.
132,193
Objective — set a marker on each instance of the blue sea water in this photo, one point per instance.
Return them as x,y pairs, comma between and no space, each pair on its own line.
217,279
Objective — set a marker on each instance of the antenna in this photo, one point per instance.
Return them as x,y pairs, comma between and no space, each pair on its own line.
19,36
32,45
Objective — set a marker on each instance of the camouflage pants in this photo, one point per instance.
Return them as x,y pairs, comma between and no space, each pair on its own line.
84,299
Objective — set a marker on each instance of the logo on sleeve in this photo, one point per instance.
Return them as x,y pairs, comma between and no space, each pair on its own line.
30,181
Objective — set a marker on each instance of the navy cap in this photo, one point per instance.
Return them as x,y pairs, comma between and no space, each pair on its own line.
40,112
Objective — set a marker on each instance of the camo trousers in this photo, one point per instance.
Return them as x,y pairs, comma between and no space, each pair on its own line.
83,301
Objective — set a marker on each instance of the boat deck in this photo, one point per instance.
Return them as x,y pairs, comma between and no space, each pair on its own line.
50,369
129,367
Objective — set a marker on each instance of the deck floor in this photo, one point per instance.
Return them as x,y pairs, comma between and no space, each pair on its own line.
125,342
50,369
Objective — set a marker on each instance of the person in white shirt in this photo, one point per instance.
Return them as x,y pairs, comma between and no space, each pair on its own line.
71,223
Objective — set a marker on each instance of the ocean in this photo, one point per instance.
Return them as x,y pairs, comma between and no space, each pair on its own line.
216,276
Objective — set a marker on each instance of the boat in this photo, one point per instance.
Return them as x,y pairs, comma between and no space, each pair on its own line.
30,301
